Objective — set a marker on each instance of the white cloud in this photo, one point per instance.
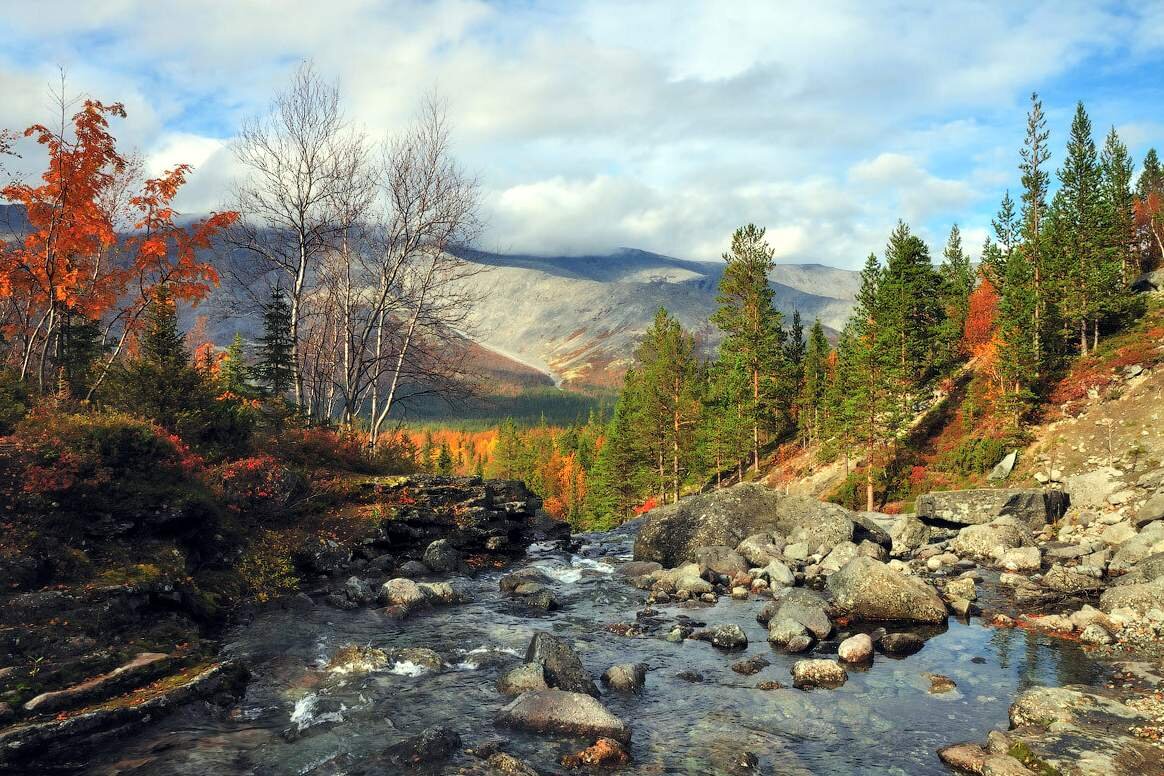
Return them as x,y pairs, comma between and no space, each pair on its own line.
602,123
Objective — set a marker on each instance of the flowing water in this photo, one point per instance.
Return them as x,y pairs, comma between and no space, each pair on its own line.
298,718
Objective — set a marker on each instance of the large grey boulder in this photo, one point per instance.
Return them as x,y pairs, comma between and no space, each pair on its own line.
990,540
1092,488
728,516
1150,511
569,713
1032,507
561,666
762,548
1149,541
869,590
803,606
1143,597
908,534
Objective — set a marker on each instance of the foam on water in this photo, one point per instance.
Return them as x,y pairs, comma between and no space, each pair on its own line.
408,668
304,715
575,571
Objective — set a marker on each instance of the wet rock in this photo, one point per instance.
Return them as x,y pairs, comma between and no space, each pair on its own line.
626,677
325,557
440,556
720,560
508,765
769,685
818,673
445,593
789,634
900,644
856,649
6,714
1033,508
358,591
694,677
869,590
145,667
961,588
752,665
558,711
805,607
543,600
729,637
526,677
431,745
403,593
973,759
563,669
605,753
940,683
638,568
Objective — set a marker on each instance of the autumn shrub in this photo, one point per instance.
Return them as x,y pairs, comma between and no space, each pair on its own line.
321,448
258,487
266,568
86,466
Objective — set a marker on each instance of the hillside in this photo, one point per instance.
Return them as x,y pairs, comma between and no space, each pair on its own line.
579,317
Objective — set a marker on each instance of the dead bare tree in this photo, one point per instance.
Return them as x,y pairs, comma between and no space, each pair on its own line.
296,158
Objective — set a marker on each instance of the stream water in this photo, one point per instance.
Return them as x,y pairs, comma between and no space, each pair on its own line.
298,718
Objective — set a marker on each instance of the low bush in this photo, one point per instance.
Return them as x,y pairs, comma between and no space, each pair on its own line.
974,455
259,487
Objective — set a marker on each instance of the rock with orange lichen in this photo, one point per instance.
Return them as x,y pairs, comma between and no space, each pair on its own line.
606,753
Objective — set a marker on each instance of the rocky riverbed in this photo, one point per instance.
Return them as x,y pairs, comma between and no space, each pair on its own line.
738,632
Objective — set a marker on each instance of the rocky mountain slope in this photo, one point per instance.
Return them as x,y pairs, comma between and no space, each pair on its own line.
578,318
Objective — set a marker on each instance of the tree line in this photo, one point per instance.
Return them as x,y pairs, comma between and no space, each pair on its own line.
1054,277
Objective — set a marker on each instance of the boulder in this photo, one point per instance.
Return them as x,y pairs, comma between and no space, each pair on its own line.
867,589
432,745
1004,467
605,753
1070,580
803,606
856,649
720,559
728,637
568,713
1021,559
777,574
440,556
1150,511
1091,489
626,677
789,634
908,534
1033,507
560,663
760,549
1148,541
989,540
728,516
445,593
403,593
1142,597
818,673
900,644
840,555
526,677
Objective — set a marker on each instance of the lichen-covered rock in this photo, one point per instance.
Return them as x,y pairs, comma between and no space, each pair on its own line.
856,649
1034,508
569,713
803,606
818,673
908,534
720,560
869,590
526,677
989,540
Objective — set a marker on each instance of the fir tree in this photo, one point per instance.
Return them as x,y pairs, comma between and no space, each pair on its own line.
1150,212
909,308
275,367
753,332
957,281
444,460
1119,211
1035,182
873,356
1076,229
160,383
232,372
814,385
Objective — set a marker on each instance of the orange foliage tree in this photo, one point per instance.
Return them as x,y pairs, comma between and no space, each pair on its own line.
69,260
980,336
1149,219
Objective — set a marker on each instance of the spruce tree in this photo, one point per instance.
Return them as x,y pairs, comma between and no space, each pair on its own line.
275,367
814,385
909,309
1076,229
753,332
160,382
1016,354
725,435
871,364
957,280
232,372
1150,204
1118,204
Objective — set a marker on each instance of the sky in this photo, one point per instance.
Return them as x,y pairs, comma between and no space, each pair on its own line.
597,124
